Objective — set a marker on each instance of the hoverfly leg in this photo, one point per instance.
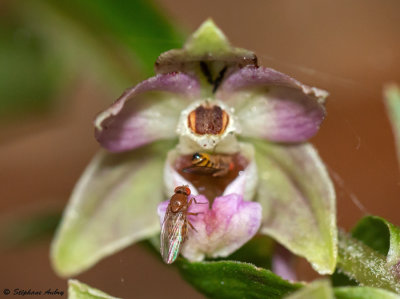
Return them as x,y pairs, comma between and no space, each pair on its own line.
201,203
191,225
195,214
197,203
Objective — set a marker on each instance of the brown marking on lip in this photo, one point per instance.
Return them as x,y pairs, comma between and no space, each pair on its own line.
208,120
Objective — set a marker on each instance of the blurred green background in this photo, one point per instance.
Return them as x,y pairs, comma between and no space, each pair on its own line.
61,62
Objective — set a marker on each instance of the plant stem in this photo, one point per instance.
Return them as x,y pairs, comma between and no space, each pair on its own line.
365,265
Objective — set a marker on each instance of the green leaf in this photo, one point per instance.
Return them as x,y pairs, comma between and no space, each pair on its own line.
79,290
46,44
228,279
136,26
120,31
365,262
29,75
363,293
21,231
113,205
392,101
365,265
340,279
258,251
380,235
319,289
298,202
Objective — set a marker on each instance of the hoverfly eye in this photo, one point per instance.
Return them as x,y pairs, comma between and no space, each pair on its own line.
177,189
187,191
196,156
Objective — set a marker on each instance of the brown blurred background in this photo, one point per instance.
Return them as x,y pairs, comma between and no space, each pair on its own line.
350,48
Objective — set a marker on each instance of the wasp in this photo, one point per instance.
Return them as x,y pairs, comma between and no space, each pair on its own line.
174,228
215,165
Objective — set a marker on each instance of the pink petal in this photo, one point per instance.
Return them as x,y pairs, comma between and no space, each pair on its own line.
145,113
272,105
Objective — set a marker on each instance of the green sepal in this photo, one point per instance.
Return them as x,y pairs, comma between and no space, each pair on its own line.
113,205
298,201
208,38
208,46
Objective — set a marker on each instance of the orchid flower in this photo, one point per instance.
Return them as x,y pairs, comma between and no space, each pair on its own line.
206,97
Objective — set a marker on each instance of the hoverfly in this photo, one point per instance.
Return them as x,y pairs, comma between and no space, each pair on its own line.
215,165
174,228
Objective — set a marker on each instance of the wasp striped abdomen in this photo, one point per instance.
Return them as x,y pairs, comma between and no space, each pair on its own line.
214,165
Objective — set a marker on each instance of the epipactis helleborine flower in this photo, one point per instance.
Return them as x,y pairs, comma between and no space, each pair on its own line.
212,98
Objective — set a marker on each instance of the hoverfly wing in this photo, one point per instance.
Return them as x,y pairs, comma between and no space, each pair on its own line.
201,170
173,234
